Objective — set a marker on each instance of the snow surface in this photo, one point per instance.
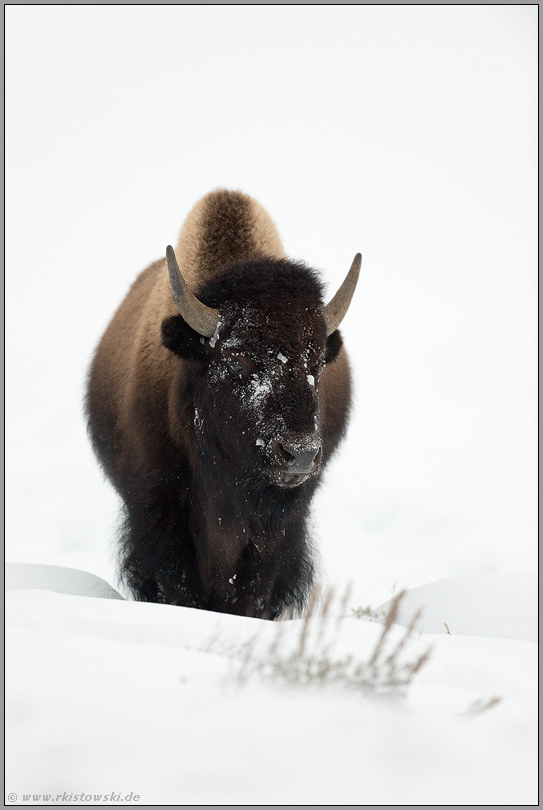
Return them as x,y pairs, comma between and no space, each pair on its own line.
502,604
406,132
20,576
133,697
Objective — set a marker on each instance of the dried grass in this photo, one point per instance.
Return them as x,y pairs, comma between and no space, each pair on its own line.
313,659
480,706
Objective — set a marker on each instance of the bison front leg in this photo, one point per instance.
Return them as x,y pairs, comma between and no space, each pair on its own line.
270,582
158,563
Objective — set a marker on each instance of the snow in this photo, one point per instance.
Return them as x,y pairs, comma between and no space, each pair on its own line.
215,336
501,604
425,160
21,576
260,387
107,694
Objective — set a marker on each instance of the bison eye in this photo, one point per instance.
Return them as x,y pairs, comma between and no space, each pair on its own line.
236,367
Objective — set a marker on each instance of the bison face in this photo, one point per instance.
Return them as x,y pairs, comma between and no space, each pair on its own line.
259,337
255,389
269,377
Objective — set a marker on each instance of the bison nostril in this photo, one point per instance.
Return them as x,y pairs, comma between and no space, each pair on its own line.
298,459
296,454
288,452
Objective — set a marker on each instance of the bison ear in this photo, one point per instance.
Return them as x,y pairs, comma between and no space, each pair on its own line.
334,342
181,339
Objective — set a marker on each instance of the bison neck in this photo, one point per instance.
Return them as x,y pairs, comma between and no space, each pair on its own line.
251,546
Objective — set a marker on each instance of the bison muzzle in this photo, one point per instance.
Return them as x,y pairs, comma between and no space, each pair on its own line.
215,399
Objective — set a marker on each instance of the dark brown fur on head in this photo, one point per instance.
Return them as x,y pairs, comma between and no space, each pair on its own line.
271,327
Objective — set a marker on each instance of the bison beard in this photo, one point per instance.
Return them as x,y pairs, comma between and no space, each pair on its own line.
216,443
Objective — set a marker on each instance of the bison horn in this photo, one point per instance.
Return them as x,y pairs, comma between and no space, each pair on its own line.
202,319
336,309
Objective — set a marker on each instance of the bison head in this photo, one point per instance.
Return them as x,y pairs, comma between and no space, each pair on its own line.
259,338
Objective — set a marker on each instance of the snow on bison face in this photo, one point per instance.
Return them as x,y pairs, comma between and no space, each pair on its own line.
261,343
269,378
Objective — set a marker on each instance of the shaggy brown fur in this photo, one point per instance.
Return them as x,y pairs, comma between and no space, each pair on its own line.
221,228
214,517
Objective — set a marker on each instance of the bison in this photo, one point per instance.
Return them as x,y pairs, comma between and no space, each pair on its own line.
215,398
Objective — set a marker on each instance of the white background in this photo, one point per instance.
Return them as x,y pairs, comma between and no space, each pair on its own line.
405,132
